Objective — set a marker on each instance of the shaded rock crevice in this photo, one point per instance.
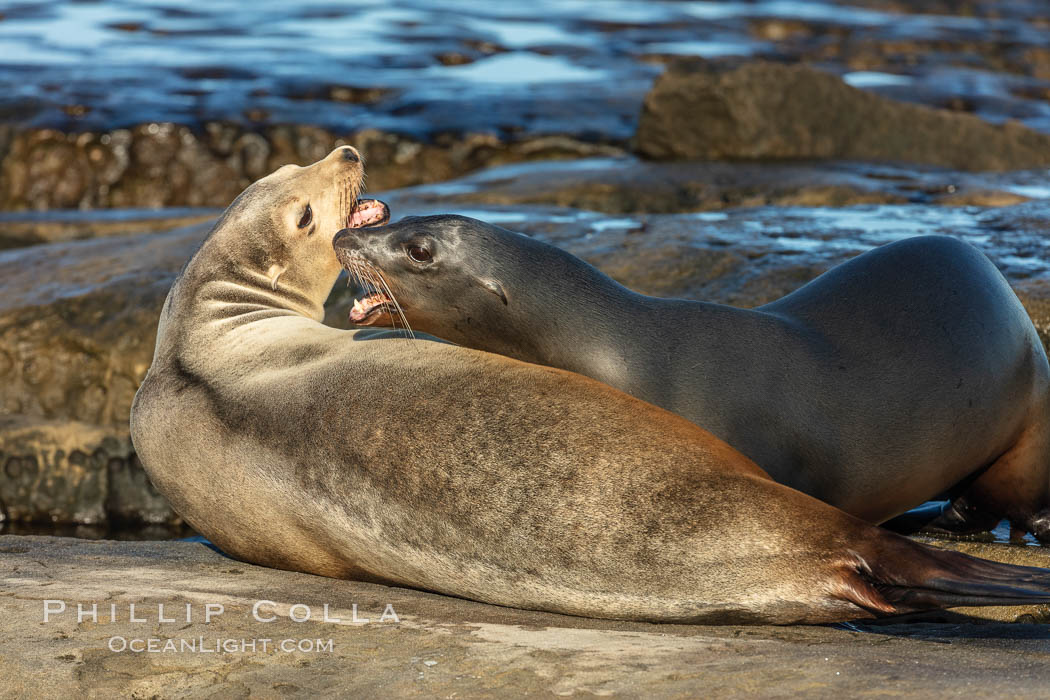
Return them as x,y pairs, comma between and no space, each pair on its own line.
71,472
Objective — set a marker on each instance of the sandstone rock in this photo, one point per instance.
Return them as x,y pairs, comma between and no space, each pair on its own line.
77,323
759,110
77,327
68,471
628,185
438,646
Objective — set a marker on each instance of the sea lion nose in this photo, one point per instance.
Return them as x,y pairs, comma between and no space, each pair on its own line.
342,236
350,154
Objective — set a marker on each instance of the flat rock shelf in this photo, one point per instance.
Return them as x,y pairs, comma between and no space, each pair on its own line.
445,647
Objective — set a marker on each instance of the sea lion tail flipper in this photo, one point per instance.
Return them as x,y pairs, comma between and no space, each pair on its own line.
905,576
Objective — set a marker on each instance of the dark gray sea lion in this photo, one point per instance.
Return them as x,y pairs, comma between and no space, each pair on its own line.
891,379
362,454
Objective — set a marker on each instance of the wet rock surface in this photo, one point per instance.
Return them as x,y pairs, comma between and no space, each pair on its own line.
630,185
22,229
440,646
760,110
444,66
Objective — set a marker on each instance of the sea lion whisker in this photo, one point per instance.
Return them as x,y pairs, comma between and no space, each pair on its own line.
365,283
355,275
344,204
397,306
343,211
373,283
359,276
393,299
363,278
368,283
355,270
382,288
352,193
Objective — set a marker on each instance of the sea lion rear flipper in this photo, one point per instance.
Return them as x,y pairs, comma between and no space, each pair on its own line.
906,576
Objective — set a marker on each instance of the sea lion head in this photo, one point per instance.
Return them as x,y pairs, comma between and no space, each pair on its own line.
440,274
276,236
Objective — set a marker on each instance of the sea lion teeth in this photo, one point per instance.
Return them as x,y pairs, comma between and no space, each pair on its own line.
368,212
366,305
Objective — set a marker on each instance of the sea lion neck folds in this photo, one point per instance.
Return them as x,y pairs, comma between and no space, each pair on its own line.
293,445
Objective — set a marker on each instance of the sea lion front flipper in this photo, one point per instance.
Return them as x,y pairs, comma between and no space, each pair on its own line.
1039,526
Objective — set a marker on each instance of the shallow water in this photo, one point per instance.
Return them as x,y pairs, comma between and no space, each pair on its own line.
566,66
130,531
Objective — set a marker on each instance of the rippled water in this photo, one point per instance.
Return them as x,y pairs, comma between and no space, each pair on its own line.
570,66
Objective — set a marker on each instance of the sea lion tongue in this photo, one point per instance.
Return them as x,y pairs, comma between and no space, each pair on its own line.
368,212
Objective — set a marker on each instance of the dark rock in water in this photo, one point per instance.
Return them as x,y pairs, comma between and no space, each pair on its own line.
760,110
169,165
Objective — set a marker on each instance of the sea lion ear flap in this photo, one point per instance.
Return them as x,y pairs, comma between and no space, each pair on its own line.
496,288
274,274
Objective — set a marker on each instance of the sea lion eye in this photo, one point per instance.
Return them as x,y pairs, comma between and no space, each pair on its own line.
308,216
419,254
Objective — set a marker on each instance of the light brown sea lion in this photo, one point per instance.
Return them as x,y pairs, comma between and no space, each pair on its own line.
906,372
412,462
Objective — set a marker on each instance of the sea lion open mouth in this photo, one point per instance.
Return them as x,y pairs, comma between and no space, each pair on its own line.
368,308
368,212
252,412
374,298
